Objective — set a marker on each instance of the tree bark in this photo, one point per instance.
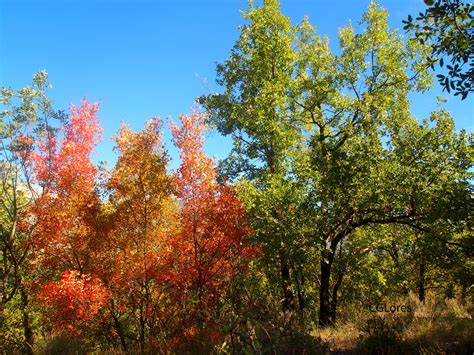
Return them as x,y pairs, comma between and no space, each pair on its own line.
142,330
27,331
118,327
325,309
421,280
299,289
288,298
338,283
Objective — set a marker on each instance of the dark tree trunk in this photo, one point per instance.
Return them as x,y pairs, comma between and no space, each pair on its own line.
325,309
288,298
118,327
299,288
142,331
334,297
421,281
27,331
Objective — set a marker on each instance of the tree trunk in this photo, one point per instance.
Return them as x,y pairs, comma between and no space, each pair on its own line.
421,281
142,323
325,309
288,298
118,327
338,283
299,289
27,331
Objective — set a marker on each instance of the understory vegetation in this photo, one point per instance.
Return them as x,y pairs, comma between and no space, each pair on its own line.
339,222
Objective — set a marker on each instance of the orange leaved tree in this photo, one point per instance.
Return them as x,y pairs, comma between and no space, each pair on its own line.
142,215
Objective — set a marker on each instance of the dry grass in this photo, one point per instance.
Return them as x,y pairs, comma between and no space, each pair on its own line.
343,337
434,327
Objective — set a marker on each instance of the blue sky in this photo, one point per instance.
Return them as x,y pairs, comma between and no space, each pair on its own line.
143,58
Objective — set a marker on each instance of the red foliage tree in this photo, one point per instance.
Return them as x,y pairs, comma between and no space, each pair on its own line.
67,176
158,255
211,246
62,217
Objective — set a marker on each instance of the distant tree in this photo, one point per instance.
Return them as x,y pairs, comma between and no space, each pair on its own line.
448,26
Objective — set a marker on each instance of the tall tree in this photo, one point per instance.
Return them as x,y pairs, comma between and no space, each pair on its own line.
340,127
256,110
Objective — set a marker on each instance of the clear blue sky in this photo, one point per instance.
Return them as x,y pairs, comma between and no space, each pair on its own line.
143,58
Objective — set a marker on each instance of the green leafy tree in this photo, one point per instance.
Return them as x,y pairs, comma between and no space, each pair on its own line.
336,133
255,109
